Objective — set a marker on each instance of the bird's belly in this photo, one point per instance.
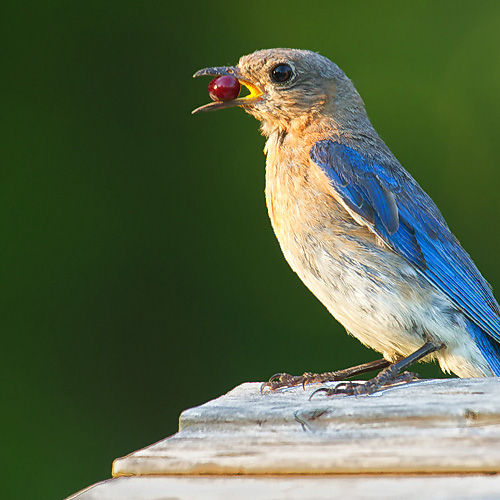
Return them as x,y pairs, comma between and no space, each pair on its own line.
375,296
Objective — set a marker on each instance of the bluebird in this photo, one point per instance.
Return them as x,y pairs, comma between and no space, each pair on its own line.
357,228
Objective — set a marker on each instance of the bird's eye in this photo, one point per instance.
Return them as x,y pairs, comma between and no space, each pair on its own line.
281,73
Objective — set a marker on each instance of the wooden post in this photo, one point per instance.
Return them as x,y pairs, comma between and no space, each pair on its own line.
428,439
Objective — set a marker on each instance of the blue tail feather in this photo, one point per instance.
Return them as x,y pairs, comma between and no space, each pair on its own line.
489,348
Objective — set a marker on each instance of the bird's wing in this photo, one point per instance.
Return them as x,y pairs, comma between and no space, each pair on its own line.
396,208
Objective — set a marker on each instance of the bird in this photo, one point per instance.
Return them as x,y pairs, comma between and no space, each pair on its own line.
358,230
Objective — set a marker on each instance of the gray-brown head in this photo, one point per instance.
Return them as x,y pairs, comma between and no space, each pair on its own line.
290,86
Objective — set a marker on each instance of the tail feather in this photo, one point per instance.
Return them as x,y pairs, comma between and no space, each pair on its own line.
489,348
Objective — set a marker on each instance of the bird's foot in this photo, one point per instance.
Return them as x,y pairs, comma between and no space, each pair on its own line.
391,375
284,380
385,379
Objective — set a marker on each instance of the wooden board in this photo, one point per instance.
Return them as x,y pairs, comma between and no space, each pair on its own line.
296,488
431,426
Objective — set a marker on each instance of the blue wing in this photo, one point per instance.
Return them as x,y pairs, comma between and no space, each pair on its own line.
402,214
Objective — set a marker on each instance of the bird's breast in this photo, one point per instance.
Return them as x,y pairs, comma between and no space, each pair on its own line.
300,202
318,237
371,290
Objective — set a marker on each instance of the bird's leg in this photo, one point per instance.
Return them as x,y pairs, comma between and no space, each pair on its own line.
281,380
389,376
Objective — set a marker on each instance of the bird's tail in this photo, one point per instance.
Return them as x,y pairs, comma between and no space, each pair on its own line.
489,348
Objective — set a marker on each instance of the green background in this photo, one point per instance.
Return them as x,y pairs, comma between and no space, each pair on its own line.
139,272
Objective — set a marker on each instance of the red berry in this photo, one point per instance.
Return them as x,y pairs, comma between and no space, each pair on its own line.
224,88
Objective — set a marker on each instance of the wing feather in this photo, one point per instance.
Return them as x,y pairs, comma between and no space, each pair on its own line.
396,208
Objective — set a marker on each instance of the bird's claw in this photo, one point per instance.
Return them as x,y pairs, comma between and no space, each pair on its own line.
284,380
347,388
380,382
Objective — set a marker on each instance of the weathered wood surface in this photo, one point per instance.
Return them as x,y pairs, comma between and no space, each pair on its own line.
296,488
432,426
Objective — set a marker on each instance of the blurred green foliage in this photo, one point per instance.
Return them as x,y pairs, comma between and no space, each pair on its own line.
140,274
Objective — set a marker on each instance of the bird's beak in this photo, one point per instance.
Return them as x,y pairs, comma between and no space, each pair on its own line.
254,95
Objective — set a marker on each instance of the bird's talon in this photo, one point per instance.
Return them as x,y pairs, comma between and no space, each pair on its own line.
321,389
276,377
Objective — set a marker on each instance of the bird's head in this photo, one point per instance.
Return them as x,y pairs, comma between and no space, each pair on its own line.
289,87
